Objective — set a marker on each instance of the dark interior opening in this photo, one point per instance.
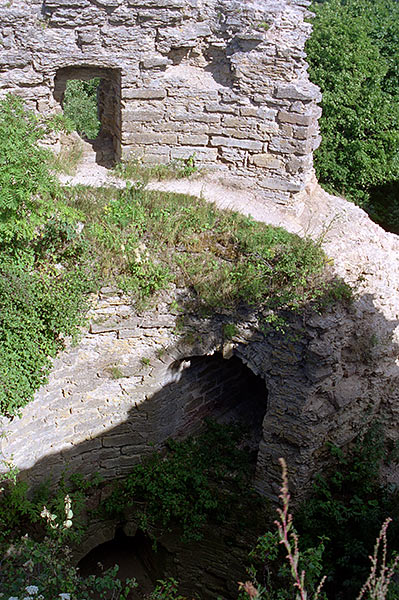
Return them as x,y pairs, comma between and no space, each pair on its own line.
108,141
213,387
197,387
136,558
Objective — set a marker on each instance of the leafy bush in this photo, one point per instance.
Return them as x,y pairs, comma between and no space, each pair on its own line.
26,183
36,310
45,570
80,106
302,569
183,488
353,55
348,507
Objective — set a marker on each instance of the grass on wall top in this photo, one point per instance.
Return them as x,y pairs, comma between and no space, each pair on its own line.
56,245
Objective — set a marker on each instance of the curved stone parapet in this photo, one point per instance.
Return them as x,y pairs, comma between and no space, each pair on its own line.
134,380
224,82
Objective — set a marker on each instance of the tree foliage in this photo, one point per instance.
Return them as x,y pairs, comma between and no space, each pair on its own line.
354,58
25,178
40,302
80,106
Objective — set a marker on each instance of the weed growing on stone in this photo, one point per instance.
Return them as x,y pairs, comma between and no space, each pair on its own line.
229,330
136,170
69,157
115,372
182,488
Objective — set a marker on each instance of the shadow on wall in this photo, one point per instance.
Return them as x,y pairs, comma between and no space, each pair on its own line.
324,379
195,388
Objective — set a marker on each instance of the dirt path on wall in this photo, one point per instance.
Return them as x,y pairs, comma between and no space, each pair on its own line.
364,255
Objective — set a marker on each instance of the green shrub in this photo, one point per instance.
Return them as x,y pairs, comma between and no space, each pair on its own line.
45,569
26,183
183,489
37,308
80,106
348,506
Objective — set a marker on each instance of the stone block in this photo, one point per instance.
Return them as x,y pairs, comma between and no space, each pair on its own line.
143,116
201,153
204,118
297,164
144,94
153,158
269,114
242,134
284,146
124,334
13,60
141,138
194,140
105,326
266,160
233,155
114,441
220,108
236,122
298,91
300,119
155,62
304,133
249,111
235,143
277,183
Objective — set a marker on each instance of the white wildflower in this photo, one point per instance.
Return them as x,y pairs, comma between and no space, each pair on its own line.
32,590
46,514
65,596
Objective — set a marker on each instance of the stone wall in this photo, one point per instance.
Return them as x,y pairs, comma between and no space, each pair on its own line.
132,381
223,80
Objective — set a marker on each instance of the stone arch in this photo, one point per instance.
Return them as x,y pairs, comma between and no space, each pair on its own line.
135,555
107,145
210,385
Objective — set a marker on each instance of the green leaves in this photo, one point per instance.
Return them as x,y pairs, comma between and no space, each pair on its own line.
348,506
80,106
35,309
25,179
353,58
182,488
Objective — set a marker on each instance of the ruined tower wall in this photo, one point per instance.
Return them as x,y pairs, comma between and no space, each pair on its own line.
223,81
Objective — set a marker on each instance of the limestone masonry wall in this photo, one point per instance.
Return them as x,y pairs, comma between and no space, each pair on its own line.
224,80
133,380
